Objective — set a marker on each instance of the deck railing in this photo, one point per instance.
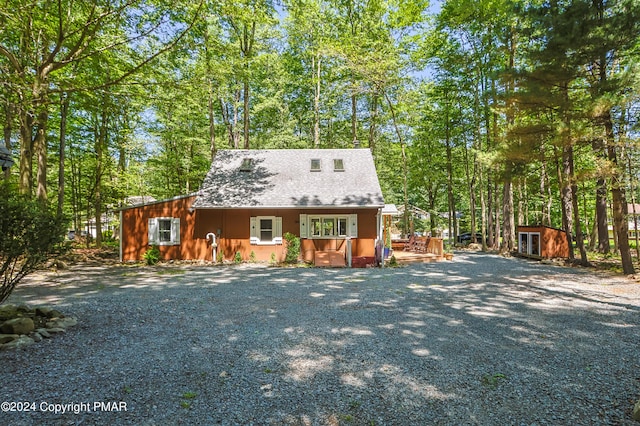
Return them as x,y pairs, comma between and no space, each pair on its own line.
430,245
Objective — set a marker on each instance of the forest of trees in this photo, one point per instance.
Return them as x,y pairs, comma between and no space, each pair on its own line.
488,114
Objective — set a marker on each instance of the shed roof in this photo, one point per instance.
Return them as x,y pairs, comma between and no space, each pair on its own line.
288,178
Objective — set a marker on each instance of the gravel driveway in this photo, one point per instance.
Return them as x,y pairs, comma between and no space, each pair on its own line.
481,340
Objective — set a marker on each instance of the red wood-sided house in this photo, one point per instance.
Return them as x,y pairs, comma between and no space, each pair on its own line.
330,198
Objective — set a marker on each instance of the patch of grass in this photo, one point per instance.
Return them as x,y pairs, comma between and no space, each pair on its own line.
267,370
186,399
126,389
493,380
354,404
348,418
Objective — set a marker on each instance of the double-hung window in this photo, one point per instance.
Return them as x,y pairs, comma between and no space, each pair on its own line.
164,231
266,230
328,226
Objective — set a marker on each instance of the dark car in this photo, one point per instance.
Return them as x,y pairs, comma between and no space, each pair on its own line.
466,238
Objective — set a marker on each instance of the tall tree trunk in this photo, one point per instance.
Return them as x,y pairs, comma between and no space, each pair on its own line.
26,151
354,121
40,146
576,212
211,96
508,229
545,214
373,123
212,122
450,197
64,108
316,100
562,167
618,197
520,219
602,222
490,225
405,171
234,127
100,146
634,207
40,90
496,208
246,113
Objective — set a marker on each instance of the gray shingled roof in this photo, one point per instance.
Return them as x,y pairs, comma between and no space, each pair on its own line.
283,178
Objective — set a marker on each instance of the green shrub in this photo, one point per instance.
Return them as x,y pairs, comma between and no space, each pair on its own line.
252,257
30,235
273,258
293,248
220,256
238,257
152,256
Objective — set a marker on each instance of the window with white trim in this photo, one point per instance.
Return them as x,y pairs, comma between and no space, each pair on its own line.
164,231
328,226
266,230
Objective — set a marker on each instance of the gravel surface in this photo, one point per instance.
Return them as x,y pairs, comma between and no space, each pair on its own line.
481,340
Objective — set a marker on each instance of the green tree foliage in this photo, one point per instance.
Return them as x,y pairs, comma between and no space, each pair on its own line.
487,114
30,234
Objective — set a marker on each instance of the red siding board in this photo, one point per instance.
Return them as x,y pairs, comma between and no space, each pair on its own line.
553,241
233,227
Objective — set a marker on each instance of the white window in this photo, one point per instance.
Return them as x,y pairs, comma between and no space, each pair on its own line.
328,226
266,230
164,231
529,243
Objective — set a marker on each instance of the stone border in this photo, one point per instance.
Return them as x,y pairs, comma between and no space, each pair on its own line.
22,326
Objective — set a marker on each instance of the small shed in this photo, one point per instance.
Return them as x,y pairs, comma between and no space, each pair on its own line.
539,241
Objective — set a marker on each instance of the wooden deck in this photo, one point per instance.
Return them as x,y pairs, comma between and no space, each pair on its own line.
419,250
407,257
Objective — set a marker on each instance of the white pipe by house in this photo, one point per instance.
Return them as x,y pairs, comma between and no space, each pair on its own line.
214,245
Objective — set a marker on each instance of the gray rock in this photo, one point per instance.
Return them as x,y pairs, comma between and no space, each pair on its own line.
62,322
36,337
18,326
55,330
6,338
636,411
43,311
54,314
8,312
20,342
24,308
43,332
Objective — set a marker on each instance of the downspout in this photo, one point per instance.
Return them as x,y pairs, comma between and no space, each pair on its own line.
378,246
214,245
